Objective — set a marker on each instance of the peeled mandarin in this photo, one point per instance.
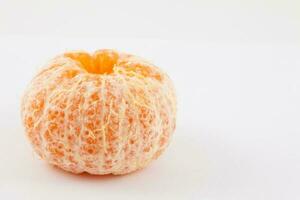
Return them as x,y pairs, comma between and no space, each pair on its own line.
101,113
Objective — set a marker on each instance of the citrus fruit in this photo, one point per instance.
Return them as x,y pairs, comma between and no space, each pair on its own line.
102,113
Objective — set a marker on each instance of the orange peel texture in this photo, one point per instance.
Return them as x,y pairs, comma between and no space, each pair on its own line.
105,113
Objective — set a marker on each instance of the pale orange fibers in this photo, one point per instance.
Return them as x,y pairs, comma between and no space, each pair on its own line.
104,113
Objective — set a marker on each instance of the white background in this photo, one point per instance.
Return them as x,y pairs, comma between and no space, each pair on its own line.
236,68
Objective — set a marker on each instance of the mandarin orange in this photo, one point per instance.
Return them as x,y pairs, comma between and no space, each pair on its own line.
105,113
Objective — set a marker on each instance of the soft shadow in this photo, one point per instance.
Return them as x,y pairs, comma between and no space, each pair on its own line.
86,176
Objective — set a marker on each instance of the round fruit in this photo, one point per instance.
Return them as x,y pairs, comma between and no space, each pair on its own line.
105,113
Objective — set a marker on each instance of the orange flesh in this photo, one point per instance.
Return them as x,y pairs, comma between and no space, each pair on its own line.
101,62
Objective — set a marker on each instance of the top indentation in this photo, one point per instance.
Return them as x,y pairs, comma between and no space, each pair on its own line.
101,62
